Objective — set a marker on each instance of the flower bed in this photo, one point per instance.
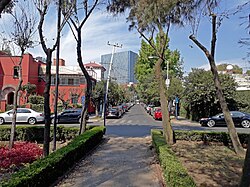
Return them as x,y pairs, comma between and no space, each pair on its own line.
20,154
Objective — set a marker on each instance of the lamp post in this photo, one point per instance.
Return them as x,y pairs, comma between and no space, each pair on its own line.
107,83
167,81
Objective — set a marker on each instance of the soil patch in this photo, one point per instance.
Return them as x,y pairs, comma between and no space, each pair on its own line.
210,165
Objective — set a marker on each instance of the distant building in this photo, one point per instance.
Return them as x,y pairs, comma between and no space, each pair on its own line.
242,80
98,69
123,66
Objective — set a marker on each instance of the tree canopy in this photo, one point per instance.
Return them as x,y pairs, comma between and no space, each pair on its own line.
200,93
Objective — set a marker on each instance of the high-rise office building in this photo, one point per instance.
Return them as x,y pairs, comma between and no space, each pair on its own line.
122,67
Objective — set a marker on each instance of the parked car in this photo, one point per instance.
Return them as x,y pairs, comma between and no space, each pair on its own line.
151,112
157,115
68,116
148,108
239,118
114,112
24,115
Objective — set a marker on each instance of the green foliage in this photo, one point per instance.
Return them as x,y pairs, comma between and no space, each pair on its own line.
37,107
36,133
209,136
148,88
173,171
200,93
98,92
243,100
36,99
29,88
46,171
248,72
116,94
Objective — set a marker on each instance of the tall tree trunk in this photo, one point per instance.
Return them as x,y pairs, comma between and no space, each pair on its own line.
46,95
245,177
3,4
89,84
18,88
167,128
210,56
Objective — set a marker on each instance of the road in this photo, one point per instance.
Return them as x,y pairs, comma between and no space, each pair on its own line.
137,123
125,158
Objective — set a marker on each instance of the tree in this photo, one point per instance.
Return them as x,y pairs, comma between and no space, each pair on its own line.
5,5
28,89
42,7
23,30
144,70
83,10
98,95
150,17
210,10
200,93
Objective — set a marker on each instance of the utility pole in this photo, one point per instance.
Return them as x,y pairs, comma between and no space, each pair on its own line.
57,74
107,83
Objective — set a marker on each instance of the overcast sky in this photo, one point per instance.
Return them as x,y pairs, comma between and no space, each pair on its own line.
101,28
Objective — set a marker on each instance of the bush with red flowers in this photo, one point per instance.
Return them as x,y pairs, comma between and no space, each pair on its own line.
21,153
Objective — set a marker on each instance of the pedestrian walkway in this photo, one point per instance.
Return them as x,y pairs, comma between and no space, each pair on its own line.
184,121
118,162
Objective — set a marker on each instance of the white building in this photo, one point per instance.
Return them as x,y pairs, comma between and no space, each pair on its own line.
97,68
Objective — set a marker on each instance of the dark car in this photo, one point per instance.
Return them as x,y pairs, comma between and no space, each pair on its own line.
68,116
239,118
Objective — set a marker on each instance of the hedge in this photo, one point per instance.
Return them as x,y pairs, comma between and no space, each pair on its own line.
209,136
36,133
173,171
46,171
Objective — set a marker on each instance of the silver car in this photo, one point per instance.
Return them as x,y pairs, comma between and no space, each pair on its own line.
24,115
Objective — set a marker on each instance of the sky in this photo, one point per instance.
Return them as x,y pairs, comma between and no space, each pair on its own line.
102,28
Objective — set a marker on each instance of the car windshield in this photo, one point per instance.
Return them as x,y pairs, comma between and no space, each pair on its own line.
219,115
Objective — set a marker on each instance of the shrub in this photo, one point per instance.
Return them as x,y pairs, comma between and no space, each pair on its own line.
37,107
36,99
21,153
173,171
46,171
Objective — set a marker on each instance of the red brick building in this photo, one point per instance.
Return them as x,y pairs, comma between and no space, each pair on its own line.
71,84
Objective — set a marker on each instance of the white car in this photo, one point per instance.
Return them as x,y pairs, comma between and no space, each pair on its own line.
24,115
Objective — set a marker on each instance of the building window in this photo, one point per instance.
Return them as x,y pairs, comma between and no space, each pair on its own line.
62,81
70,81
82,80
77,82
53,80
74,98
16,72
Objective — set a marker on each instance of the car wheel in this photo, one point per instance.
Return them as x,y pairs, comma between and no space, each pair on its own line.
1,121
32,121
245,123
211,123
52,121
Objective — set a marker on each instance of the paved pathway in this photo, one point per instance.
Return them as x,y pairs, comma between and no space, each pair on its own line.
118,162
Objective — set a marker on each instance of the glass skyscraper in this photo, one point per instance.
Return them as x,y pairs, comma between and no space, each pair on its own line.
123,66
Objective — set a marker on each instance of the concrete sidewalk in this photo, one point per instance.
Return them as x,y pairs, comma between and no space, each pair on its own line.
117,162
184,121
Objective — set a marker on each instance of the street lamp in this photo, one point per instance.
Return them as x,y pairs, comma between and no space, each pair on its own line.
167,81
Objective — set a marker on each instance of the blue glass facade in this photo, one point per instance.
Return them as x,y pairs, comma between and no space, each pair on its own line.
123,66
